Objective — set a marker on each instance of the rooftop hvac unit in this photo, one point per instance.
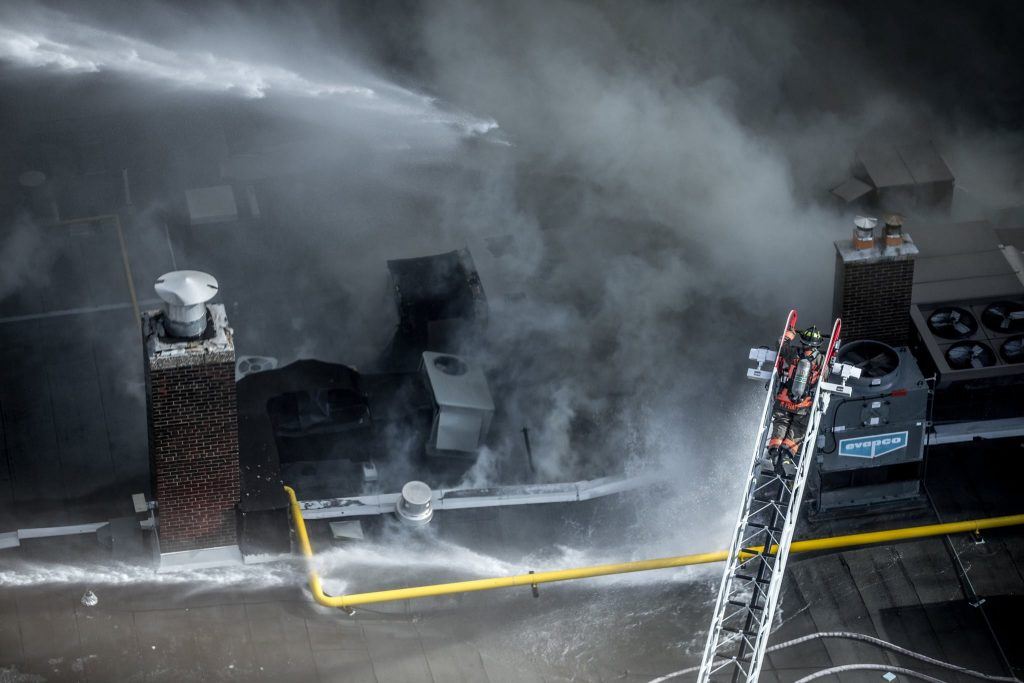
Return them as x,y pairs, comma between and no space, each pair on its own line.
971,341
870,448
463,406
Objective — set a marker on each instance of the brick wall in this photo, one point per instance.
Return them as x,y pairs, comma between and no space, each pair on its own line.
193,439
873,299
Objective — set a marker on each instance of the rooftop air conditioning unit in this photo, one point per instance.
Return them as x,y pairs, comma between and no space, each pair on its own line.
463,406
970,341
870,448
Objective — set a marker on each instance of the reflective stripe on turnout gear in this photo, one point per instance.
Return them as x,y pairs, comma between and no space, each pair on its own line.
787,403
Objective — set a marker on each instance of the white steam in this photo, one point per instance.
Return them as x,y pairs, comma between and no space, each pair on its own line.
52,40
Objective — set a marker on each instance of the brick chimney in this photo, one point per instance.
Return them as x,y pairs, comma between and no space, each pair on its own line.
193,418
874,280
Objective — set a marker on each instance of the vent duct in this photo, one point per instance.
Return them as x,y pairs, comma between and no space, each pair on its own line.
415,504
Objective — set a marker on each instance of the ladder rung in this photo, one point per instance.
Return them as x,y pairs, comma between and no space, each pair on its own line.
773,473
744,632
751,578
757,610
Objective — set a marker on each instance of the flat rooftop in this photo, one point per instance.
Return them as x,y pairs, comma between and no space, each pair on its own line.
259,622
963,260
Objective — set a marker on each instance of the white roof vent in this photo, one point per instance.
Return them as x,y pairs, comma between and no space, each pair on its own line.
414,505
185,293
463,400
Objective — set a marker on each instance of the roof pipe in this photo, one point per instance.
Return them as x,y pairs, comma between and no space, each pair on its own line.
532,580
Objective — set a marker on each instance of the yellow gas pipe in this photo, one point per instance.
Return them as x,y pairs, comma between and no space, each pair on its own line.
347,601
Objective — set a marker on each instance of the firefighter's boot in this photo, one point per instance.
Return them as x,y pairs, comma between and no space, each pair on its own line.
785,464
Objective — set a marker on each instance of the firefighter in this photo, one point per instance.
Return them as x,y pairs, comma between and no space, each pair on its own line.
792,410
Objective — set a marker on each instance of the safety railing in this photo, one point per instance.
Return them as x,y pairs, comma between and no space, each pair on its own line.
535,579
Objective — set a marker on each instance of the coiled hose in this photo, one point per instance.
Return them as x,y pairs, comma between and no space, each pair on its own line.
866,639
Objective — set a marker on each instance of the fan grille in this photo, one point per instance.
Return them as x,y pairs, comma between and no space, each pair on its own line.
952,322
970,354
874,359
1012,349
1004,317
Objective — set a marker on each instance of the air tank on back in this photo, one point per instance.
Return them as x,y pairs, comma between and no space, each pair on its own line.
800,379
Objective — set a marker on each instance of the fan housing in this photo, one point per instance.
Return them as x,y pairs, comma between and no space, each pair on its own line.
1012,349
1004,317
970,354
879,363
952,322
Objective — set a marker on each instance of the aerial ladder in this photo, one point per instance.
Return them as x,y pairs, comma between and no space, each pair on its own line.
749,592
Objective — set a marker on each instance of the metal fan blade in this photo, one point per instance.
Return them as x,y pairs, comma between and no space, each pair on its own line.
879,362
958,354
1013,350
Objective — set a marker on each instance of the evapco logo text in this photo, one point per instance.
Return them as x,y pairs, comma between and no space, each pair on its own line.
874,445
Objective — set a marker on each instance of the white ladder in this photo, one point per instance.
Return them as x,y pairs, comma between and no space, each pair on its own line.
749,592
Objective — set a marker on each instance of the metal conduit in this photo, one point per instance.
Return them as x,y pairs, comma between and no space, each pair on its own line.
832,543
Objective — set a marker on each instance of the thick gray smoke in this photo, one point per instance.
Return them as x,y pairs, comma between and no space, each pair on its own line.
643,186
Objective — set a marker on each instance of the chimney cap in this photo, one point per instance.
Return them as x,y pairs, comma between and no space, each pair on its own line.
893,219
865,222
186,287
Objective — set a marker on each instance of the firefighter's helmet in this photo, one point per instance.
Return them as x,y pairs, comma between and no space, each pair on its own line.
811,336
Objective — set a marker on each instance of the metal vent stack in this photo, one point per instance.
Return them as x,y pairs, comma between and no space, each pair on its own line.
185,293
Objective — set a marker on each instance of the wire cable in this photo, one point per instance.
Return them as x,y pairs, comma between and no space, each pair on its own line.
866,639
871,667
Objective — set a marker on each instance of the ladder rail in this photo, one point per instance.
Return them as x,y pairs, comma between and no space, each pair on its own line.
819,406
712,645
761,541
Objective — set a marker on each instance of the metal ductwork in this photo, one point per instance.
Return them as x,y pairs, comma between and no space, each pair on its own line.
185,293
